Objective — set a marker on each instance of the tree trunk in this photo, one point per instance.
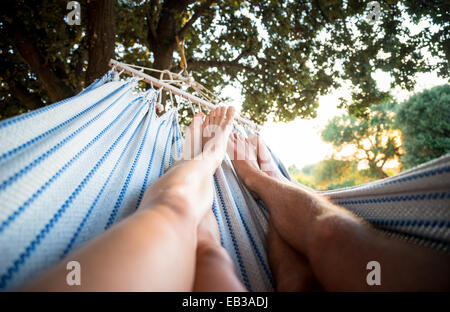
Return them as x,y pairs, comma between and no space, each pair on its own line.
52,84
163,57
376,171
162,41
100,38
29,100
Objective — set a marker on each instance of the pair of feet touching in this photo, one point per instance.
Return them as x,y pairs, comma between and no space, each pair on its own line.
208,138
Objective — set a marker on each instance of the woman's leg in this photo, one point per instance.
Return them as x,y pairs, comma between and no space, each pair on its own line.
214,269
155,248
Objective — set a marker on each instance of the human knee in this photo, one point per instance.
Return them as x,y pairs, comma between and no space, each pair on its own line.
176,196
332,228
325,231
209,253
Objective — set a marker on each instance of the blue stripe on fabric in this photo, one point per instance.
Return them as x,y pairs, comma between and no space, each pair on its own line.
261,205
41,110
428,241
172,143
403,223
219,224
161,169
92,86
176,142
38,138
44,231
233,237
152,112
178,139
124,189
9,181
400,198
147,172
99,81
425,174
171,157
97,198
28,202
255,247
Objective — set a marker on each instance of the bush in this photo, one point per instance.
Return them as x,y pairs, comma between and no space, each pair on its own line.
424,120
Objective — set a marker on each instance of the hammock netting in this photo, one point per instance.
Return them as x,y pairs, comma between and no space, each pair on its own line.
71,170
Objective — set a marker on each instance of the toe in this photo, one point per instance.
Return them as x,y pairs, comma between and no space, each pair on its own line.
198,115
253,138
205,124
221,113
207,121
197,120
231,146
212,115
230,114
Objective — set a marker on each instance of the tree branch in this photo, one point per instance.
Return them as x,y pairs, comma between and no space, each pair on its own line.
196,15
51,82
29,100
151,18
229,64
384,162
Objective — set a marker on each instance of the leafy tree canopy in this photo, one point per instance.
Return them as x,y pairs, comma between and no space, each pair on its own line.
375,139
425,123
283,53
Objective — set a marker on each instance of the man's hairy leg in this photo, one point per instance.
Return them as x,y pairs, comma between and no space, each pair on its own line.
338,244
290,269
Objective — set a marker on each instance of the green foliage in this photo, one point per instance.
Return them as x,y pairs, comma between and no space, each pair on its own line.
300,176
425,123
283,53
374,138
330,174
55,44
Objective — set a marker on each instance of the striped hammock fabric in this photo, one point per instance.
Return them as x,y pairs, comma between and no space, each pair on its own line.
70,170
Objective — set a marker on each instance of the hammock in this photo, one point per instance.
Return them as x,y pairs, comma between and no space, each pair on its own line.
71,170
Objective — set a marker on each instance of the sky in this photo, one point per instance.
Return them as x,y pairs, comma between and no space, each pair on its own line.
299,142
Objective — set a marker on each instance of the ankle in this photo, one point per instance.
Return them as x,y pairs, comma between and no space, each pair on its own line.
251,179
256,181
212,158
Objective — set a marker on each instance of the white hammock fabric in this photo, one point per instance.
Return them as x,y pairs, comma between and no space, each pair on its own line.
70,170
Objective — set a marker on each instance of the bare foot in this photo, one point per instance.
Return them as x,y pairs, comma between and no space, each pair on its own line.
265,160
216,129
252,160
193,138
244,157
215,132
